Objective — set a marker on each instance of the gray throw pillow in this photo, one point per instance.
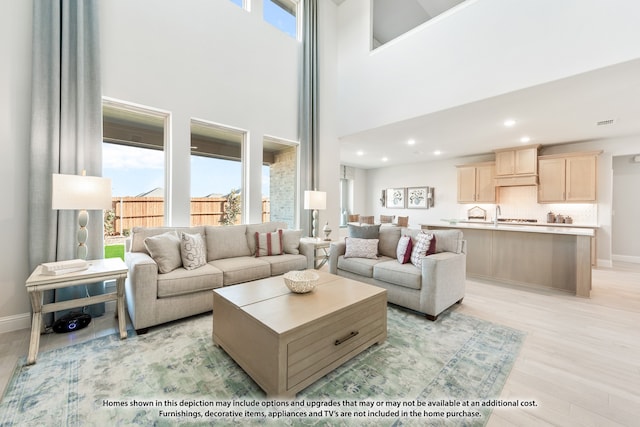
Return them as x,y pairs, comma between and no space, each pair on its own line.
165,251
364,231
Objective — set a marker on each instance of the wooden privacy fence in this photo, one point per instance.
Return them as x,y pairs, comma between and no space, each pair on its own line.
132,212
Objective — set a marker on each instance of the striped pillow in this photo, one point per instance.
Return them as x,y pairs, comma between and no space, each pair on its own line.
268,244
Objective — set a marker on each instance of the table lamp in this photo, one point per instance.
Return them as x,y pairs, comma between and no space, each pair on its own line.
315,200
81,193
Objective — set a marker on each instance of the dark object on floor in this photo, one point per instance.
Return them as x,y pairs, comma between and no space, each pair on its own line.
71,322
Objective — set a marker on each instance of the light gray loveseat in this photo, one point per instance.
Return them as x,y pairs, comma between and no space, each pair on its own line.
432,289
154,297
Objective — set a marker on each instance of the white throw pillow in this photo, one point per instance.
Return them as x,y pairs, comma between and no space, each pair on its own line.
405,247
165,251
193,250
361,248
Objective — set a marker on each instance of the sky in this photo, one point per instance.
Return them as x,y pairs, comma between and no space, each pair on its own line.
135,171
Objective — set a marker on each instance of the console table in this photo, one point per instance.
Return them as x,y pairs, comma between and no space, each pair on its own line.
98,271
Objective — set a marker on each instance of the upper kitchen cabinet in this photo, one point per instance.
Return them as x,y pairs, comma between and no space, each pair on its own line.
517,166
476,183
568,177
517,161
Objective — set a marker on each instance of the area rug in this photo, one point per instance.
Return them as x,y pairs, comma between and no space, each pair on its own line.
437,373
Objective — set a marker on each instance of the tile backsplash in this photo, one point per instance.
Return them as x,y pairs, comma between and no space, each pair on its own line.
522,203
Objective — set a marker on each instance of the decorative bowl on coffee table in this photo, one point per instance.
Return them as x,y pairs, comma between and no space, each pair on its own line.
301,282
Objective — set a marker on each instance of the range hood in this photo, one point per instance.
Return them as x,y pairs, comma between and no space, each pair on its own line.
516,180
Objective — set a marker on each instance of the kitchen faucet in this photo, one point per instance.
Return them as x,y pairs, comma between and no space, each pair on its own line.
495,217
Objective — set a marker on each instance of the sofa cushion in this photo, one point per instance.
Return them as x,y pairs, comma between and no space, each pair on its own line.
406,275
242,269
448,240
181,281
165,251
227,241
388,241
268,244
193,250
403,252
361,248
421,248
265,227
281,264
360,266
291,241
138,234
364,231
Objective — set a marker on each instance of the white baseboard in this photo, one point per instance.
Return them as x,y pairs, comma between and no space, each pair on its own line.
626,258
15,322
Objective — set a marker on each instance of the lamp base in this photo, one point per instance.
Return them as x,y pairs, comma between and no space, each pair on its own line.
82,234
314,224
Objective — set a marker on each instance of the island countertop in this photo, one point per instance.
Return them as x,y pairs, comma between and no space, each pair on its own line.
517,227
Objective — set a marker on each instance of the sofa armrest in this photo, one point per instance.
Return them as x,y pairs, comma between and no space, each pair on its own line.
335,250
443,281
141,286
309,251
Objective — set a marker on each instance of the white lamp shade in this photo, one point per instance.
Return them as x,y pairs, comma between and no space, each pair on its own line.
77,192
315,200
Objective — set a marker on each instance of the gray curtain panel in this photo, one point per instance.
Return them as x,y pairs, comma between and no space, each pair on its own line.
309,106
66,127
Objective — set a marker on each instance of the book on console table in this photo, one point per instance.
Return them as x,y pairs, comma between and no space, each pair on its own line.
64,267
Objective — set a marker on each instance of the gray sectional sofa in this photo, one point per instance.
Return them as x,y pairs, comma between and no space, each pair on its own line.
161,288
431,289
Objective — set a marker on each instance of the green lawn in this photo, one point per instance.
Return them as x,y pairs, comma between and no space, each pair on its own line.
114,251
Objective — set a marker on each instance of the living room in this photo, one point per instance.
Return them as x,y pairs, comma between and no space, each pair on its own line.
216,62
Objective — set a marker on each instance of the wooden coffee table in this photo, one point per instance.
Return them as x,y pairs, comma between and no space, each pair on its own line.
286,341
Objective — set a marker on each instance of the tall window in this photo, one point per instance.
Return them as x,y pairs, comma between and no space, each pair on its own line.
280,158
282,14
216,174
133,157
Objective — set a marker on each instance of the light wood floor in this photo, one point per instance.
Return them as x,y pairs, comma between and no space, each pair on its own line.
580,360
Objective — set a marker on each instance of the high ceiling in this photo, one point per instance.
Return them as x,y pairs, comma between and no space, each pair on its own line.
562,111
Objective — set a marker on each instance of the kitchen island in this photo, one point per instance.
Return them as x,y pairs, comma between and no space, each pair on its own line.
532,255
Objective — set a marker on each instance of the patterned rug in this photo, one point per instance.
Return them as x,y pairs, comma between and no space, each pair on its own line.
436,373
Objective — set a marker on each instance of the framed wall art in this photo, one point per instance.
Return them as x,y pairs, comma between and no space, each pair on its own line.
417,197
395,198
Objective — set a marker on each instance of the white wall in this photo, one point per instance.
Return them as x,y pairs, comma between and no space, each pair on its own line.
203,59
15,119
467,48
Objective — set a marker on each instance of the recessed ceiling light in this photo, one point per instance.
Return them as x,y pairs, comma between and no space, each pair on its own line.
384,159
411,142
360,153
510,122
525,139
437,152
